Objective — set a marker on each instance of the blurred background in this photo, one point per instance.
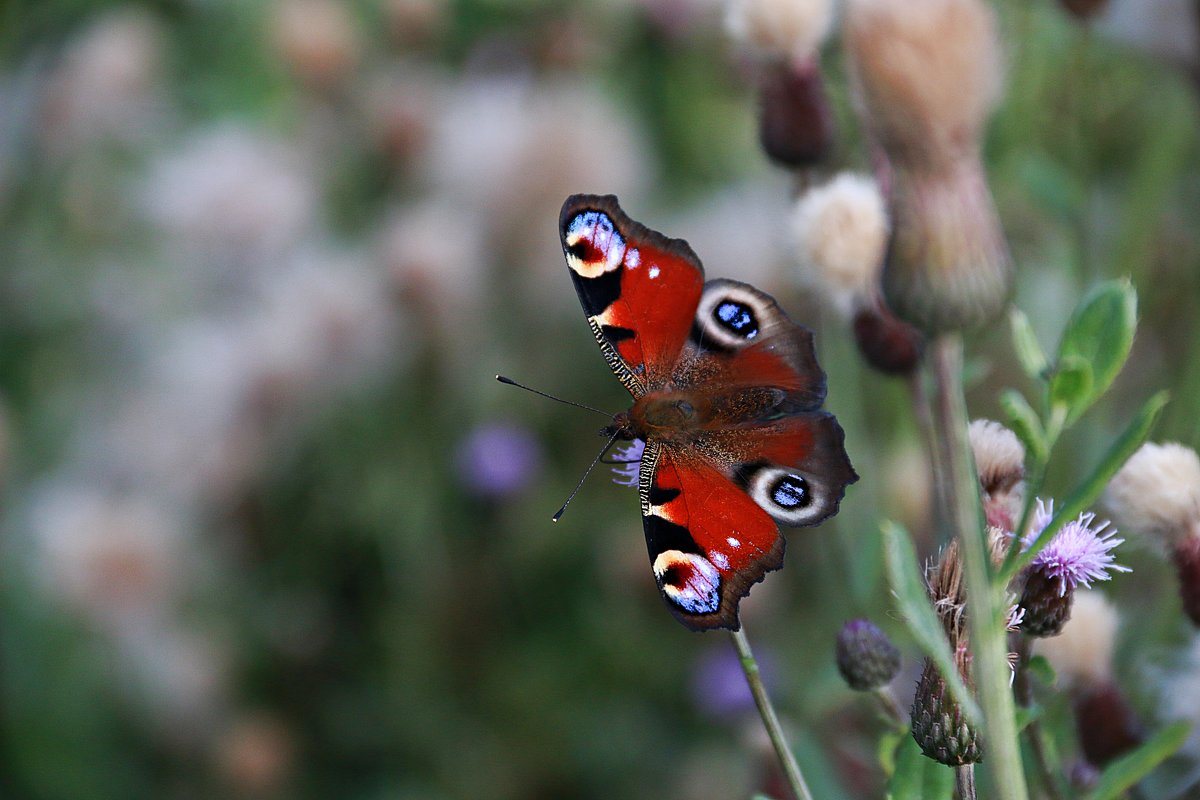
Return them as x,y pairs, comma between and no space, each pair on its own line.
271,528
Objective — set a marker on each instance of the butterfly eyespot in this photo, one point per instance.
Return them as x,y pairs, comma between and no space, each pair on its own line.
688,580
791,492
737,318
592,244
789,497
730,315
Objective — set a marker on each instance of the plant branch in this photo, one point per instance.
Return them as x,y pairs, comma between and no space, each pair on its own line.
766,710
985,613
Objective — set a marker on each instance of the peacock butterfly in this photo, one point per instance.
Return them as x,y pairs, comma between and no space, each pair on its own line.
727,395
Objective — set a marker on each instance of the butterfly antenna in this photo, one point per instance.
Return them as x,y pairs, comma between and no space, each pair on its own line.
558,514
511,382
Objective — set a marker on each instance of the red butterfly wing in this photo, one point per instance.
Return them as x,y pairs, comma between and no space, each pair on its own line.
708,540
639,289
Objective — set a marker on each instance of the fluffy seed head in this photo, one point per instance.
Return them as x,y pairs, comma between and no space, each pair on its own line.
790,29
1082,653
928,72
999,456
841,232
1157,494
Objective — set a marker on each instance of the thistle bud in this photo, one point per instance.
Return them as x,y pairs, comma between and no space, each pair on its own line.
795,121
948,266
866,657
1157,494
939,725
1107,726
887,343
928,73
1083,9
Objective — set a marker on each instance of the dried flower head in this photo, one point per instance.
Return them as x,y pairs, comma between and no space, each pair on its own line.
866,657
945,583
1157,493
841,232
1082,653
928,72
787,29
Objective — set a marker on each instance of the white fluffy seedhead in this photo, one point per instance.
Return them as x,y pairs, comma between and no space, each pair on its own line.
840,231
780,28
928,72
999,455
1082,654
1157,493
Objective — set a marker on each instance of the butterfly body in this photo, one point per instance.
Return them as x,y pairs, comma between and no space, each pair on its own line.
727,394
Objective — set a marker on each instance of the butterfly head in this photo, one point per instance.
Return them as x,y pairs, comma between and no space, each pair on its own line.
621,427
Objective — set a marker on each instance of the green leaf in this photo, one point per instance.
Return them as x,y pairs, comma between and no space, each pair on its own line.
918,777
913,601
1130,768
1026,715
1071,386
1087,492
1040,668
889,742
1100,333
1025,423
1029,352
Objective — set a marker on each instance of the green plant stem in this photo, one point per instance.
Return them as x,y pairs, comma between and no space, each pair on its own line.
984,601
766,710
891,708
1023,688
924,417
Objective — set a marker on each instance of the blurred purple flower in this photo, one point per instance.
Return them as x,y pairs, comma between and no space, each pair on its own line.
719,685
498,459
629,466
1078,554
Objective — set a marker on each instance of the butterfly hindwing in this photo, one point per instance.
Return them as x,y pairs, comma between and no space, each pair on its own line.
795,467
639,289
708,541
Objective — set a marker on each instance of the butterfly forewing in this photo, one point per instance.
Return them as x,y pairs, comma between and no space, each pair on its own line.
638,288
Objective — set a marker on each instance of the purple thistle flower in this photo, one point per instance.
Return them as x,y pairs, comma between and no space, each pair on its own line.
1078,554
498,459
627,470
